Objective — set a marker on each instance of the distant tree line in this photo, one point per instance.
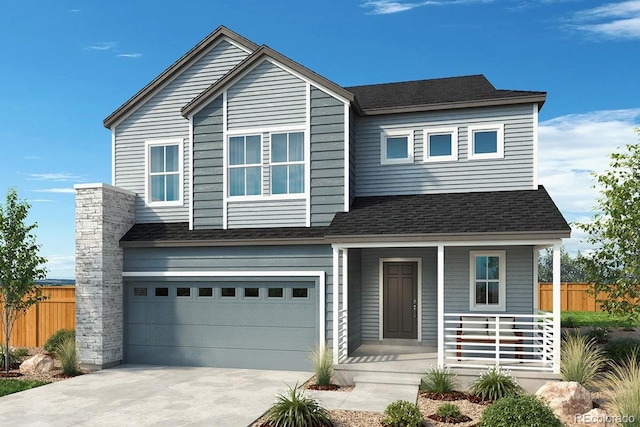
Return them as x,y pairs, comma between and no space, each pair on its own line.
571,268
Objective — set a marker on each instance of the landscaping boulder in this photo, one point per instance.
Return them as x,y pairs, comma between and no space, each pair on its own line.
566,398
38,363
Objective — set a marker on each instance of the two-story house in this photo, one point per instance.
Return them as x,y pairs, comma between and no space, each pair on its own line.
258,208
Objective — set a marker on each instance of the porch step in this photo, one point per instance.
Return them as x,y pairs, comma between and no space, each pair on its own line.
388,378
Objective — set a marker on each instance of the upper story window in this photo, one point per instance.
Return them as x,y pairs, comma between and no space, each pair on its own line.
287,163
486,141
396,147
164,172
245,165
487,281
440,144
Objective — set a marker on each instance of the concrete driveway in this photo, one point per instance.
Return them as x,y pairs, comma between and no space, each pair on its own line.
140,395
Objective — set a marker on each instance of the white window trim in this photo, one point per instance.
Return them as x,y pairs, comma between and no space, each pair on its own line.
229,166
302,162
502,291
147,164
499,128
383,146
453,131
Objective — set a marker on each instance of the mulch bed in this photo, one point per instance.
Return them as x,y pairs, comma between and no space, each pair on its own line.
449,397
449,420
330,387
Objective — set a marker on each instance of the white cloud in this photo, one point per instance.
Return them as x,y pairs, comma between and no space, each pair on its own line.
42,201
101,46
32,157
75,10
56,190
129,55
54,177
60,266
615,20
572,147
387,7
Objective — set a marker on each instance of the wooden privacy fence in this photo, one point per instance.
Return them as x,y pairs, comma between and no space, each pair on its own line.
573,297
45,318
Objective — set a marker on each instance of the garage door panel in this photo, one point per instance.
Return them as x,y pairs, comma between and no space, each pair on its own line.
223,336
264,332
222,358
220,313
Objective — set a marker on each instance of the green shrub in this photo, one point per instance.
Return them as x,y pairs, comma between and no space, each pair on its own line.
619,350
621,388
68,356
402,414
439,380
568,321
519,411
296,410
580,360
14,360
21,352
494,384
322,359
599,334
448,410
54,340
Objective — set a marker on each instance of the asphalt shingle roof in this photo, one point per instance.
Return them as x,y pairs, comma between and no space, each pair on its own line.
432,92
179,231
526,211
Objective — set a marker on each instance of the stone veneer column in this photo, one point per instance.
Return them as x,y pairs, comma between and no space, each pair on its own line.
104,213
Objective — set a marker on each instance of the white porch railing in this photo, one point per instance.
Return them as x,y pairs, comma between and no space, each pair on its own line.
516,341
343,336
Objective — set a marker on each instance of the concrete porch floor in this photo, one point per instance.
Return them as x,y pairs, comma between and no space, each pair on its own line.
399,364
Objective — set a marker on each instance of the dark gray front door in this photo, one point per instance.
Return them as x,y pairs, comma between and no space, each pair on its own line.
400,300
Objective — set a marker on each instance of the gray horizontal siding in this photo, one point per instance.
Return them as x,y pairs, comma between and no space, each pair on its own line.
160,118
208,167
519,280
327,157
236,258
266,96
514,171
267,213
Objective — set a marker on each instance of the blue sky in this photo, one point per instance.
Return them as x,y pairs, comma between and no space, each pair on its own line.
66,65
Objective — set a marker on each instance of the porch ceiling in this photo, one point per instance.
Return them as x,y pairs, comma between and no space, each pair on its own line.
521,215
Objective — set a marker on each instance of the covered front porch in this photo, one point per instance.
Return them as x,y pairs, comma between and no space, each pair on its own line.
406,306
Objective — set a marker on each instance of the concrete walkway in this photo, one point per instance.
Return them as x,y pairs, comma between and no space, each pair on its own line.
132,395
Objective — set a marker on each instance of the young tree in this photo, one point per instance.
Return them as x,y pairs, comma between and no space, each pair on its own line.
614,265
571,268
20,266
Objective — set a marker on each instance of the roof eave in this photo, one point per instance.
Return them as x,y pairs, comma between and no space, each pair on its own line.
449,237
528,99
220,242
175,69
213,91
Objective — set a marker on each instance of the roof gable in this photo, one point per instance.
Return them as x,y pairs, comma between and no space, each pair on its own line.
176,69
250,62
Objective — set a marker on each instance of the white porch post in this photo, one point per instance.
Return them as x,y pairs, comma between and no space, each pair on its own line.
336,302
556,308
440,270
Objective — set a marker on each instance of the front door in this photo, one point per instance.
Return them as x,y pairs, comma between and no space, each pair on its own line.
400,300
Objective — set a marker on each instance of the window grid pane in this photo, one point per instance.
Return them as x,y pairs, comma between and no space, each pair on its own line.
397,147
485,142
287,148
439,145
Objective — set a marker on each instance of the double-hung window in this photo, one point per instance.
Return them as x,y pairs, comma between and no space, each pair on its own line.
396,147
440,144
287,163
487,281
164,172
245,165
486,141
